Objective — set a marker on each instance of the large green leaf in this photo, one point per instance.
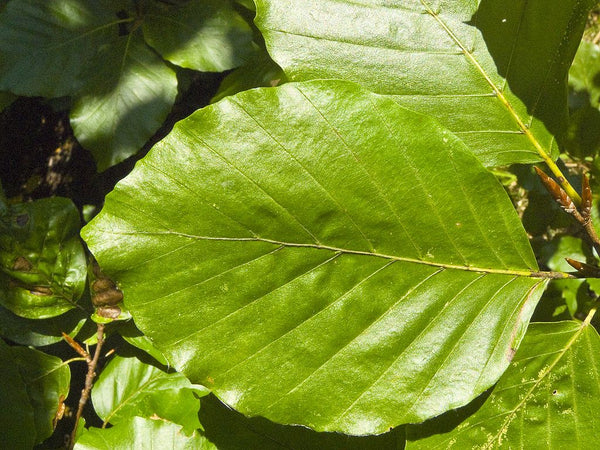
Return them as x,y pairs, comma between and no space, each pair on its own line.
492,72
42,262
47,381
317,254
16,413
141,434
548,398
44,44
205,35
127,95
128,387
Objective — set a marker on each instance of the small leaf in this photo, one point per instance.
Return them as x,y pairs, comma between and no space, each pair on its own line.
127,387
338,261
47,381
45,44
205,35
549,396
140,433
17,420
127,95
42,262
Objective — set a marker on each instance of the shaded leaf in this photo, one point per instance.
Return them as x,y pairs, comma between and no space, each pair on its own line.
261,71
16,413
548,396
45,44
205,35
141,434
230,430
47,381
127,95
6,98
464,62
40,332
318,255
128,387
135,337
42,262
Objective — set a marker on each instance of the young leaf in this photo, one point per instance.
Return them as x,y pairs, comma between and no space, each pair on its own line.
140,433
16,413
47,381
549,395
45,44
205,35
128,387
319,255
127,95
493,73
42,262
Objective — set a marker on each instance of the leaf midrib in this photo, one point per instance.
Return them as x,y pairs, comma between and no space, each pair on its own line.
515,272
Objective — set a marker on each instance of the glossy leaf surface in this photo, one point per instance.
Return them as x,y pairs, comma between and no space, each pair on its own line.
128,387
205,35
317,254
44,44
141,434
127,95
549,396
479,67
42,263
47,381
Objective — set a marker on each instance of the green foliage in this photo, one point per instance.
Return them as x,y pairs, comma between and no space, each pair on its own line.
548,395
274,267
42,263
332,258
97,52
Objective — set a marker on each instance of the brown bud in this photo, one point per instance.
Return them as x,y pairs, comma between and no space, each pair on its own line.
21,264
557,193
586,198
103,284
583,268
108,297
109,312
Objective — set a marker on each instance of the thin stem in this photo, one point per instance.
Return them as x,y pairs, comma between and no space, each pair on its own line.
91,373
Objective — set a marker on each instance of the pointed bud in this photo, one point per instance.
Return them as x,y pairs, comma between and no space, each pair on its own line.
557,193
586,198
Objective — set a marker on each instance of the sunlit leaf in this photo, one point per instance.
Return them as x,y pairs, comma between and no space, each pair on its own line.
141,434
492,72
318,255
128,387
127,95
548,398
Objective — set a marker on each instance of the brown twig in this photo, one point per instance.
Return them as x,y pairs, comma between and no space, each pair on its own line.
89,379
583,216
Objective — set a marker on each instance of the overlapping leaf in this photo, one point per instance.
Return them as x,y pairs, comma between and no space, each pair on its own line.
140,433
317,254
206,35
42,262
128,387
127,95
549,396
492,72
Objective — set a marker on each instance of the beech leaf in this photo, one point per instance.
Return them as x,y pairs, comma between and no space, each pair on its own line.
318,255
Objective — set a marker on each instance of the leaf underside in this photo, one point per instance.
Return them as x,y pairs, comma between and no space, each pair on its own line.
319,255
476,66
